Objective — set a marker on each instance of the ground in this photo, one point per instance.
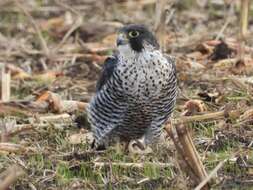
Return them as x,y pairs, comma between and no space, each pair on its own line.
60,47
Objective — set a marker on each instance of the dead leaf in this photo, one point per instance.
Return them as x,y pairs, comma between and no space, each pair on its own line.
194,106
57,105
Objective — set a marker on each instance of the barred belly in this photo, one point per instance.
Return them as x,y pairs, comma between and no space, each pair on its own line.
139,96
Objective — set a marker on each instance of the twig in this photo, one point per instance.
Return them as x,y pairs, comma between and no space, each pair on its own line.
243,27
5,83
11,147
244,17
19,128
211,175
51,118
75,26
4,136
214,116
134,165
195,118
223,28
160,18
43,43
42,9
67,7
227,22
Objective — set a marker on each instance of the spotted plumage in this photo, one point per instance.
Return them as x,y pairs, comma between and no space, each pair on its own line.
136,92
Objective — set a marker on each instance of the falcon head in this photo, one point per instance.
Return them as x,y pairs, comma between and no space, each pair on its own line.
135,38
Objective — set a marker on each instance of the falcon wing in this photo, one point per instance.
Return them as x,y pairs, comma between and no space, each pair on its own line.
107,71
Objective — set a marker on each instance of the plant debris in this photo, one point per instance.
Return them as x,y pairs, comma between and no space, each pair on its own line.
51,55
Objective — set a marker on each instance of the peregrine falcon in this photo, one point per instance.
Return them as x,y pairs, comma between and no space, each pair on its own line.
136,91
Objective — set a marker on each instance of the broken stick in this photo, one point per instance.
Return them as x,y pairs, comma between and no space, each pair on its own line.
5,83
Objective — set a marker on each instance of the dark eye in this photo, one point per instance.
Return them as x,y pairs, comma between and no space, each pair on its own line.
133,34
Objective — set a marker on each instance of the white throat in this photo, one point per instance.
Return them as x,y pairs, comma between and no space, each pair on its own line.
126,51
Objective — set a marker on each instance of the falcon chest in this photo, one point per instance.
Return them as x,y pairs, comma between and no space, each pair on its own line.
144,75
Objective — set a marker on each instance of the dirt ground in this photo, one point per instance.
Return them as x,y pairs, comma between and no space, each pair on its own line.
55,50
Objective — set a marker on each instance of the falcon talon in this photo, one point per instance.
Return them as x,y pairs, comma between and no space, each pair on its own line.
139,145
136,91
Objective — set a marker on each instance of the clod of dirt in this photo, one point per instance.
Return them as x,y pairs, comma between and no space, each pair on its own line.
221,51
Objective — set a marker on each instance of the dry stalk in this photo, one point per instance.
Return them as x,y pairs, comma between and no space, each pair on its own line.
184,161
195,118
132,165
74,27
160,18
243,27
11,176
52,118
244,17
11,147
42,41
211,175
67,7
227,21
208,116
191,152
18,129
188,152
5,83
4,135
185,146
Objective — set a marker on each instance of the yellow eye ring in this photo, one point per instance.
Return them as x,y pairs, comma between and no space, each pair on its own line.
133,34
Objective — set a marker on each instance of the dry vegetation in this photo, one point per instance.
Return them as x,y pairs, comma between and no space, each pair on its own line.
54,51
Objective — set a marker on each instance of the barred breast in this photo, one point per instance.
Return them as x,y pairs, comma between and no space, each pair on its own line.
137,99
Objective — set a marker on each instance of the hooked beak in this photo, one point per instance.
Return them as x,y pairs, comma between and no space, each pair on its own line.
122,39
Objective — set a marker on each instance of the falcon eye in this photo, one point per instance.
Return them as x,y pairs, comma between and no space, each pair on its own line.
133,34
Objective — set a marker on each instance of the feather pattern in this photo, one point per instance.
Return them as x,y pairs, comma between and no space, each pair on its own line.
136,92
136,95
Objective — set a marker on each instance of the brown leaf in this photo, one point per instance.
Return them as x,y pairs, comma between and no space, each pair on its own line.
57,105
194,106
204,48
